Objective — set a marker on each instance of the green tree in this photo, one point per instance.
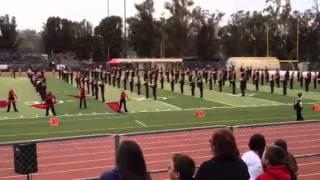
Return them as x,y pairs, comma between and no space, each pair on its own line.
144,31
178,27
9,35
110,29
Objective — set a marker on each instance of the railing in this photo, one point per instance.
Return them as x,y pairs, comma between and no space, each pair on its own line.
117,138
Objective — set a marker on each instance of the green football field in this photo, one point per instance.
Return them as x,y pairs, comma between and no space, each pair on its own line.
172,110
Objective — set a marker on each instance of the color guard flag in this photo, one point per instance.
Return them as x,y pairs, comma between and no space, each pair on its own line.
3,104
40,106
54,121
115,106
74,96
200,114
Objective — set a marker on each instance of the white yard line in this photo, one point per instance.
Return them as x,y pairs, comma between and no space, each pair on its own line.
173,106
141,123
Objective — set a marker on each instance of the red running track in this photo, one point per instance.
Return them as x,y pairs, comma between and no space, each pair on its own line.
80,159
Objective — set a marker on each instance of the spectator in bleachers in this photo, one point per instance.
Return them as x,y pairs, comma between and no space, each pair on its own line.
273,159
130,164
226,164
290,160
181,167
252,158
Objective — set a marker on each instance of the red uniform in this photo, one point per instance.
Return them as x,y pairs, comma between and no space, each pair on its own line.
123,98
50,100
83,98
12,97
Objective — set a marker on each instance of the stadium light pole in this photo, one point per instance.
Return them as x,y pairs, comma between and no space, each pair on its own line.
125,27
298,38
267,40
108,7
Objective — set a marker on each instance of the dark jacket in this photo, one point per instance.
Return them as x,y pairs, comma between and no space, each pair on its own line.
223,169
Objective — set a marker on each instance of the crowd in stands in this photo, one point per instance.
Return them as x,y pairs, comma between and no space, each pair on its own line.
261,162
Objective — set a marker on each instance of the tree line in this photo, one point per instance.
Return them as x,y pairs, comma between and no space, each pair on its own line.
276,30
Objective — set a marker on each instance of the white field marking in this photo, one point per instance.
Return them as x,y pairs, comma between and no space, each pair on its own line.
70,120
215,100
133,127
141,123
187,109
173,106
71,115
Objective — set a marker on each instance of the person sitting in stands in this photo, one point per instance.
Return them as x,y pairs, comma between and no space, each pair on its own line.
290,160
226,164
181,167
253,157
273,159
130,164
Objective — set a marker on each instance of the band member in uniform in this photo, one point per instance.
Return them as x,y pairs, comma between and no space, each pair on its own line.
88,84
83,98
131,83
138,85
291,80
277,78
193,86
301,79
123,100
162,81
262,78
77,79
242,84
12,98
233,85
285,82
172,84
154,90
101,85
125,83
96,89
307,81
181,85
200,86
214,76
220,81
92,84
256,80
71,76
146,85
272,83
14,73
210,82
118,80
298,106
315,81
50,100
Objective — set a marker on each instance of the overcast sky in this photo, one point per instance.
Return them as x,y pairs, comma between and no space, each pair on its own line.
32,14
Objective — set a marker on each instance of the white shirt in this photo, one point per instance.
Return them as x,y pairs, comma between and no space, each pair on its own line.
254,164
